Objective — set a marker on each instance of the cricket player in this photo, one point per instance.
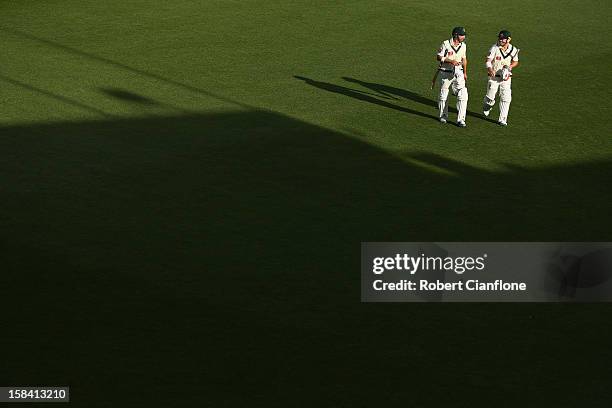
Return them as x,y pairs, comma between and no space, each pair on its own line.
502,58
453,74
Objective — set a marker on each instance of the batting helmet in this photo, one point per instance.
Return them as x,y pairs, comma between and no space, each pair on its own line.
457,31
504,34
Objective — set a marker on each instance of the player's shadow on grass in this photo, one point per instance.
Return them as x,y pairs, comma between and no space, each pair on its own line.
214,249
403,93
397,92
363,96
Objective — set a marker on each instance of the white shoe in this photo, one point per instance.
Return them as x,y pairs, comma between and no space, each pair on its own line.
461,124
442,120
486,109
502,123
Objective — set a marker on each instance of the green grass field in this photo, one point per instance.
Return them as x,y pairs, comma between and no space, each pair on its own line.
185,186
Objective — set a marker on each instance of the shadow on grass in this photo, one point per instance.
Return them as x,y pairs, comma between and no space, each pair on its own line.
391,90
387,92
409,95
128,96
141,101
363,96
215,258
62,48
55,96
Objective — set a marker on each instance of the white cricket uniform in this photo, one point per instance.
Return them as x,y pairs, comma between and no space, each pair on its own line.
500,59
452,77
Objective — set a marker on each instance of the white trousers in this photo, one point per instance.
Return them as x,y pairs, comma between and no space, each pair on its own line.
505,96
456,84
